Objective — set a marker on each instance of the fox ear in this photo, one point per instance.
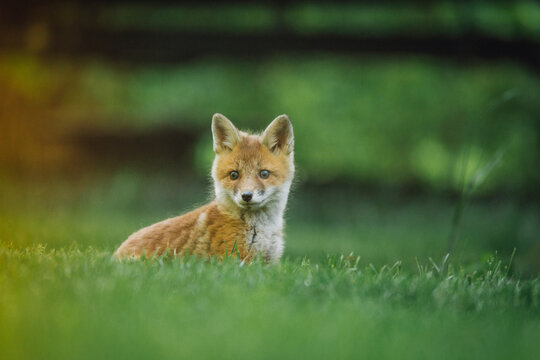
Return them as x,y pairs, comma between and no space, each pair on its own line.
224,133
279,136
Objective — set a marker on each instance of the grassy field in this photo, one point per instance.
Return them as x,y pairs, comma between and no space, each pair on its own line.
80,304
63,297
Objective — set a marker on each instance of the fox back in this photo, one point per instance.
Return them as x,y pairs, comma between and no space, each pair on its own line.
252,175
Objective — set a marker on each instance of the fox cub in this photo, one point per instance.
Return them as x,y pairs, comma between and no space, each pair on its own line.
252,176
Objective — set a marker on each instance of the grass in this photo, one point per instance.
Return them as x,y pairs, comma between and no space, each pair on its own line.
63,297
73,303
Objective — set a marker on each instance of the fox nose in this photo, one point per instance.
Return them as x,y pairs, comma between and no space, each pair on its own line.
247,196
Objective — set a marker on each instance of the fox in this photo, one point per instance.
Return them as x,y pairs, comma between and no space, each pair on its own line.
252,176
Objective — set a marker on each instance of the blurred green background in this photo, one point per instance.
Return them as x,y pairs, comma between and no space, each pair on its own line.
397,107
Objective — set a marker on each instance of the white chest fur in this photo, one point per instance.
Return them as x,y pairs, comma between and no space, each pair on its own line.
265,233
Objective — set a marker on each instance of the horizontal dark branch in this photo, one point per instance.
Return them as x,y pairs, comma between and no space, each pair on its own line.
31,3
158,147
142,46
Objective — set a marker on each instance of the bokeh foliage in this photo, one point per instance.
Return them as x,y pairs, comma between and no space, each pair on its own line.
501,19
371,120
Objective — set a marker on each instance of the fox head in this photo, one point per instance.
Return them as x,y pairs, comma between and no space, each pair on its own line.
253,172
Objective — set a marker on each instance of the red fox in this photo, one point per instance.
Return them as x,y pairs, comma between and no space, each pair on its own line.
252,175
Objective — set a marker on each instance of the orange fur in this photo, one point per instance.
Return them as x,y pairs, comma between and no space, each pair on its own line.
228,225
204,231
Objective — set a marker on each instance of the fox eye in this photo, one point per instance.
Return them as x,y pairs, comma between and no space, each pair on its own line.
264,174
234,175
